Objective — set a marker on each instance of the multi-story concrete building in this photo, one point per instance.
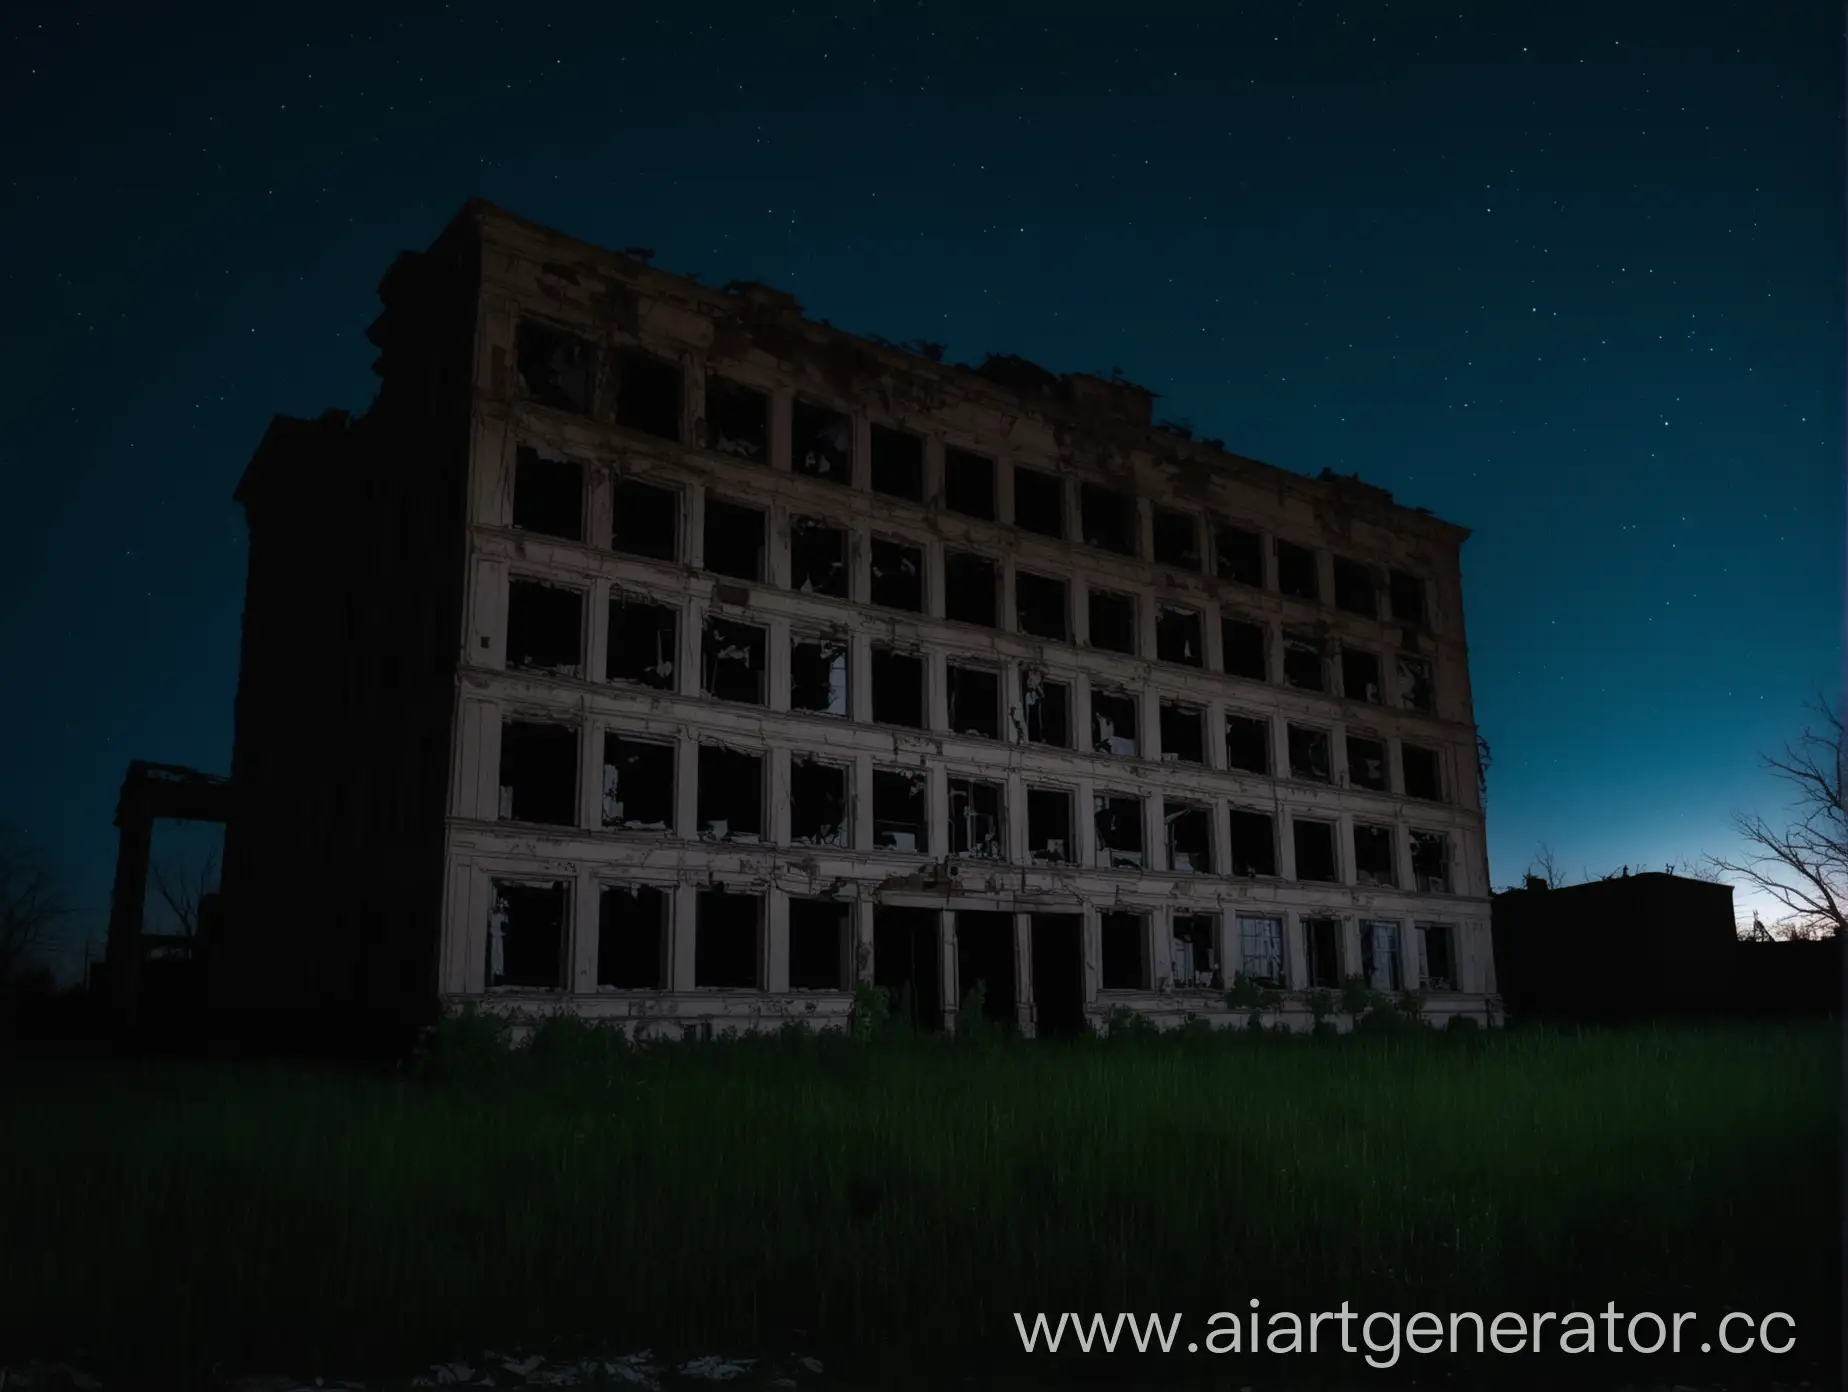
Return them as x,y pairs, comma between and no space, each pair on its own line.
651,651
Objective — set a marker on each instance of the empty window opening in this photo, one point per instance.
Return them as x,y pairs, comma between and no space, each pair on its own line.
1373,855
1113,723
1322,938
898,575
1113,622
1437,957
818,944
1177,539
646,520
554,366
969,483
526,935
642,642
1108,518
545,628
1178,635
1415,684
1309,754
548,495
1360,675
908,963
638,784
538,773
632,928
726,940
974,701
1367,764
1190,838
1193,954
898,464
985,958
1354,588
1048,706
1296,575
820,441
1125,964
977,826
737,420
1239,555
1260,949
818,676
648,393
1379,954
1248,743
970,589
901,811
1049,826
1302,661
818,803
734,540
1119,832
1431,861
731,794
1039,502
732,662
1315,851
1419,765
1245,649
1042,606
898,688
1254,843
1407,593
1183,733
818,558
1058,975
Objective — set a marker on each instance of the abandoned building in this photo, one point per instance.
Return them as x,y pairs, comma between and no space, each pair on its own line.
650,651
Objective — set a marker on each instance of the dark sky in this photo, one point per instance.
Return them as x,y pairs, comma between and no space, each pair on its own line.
1567,274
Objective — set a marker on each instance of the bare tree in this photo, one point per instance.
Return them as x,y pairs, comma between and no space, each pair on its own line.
32,899
183,888
1803,864
1544,867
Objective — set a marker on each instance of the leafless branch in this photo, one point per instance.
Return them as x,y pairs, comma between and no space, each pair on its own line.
32,899
183,889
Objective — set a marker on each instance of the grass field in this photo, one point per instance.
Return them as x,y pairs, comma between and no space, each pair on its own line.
890,1205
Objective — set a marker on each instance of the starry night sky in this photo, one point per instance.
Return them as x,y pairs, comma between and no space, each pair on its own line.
1572,278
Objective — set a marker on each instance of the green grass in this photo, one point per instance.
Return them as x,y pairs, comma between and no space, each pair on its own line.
895,1202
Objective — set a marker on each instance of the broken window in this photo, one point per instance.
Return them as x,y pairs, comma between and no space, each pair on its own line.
977,826
817,558
898,575
737,420
638,784
1260,950
1108,518
1322,937
974,701
1360,675
642,642
1315,851
1248,743
1113,622
901,810
1190,838
1239,555
1049,826
1437,957
732,662
1407,593
1302,661
818,676
1048,706
731,794
545,628
1119,832
1420,770
548,495
817,803
1379,954
971,587
898,463
632,928
898,688
1296,575
1040,602
1309,754
538,773
1373,855
1354,588
734,539
1178,636
1431,861
1193,958
1367,764
1254,843
648,393
1039,502
554,366
820,441
726,940
1183,733
526,935
1177,539
1244,649
818,944
1125,952
645,520
1113,723
1415,683
969,483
